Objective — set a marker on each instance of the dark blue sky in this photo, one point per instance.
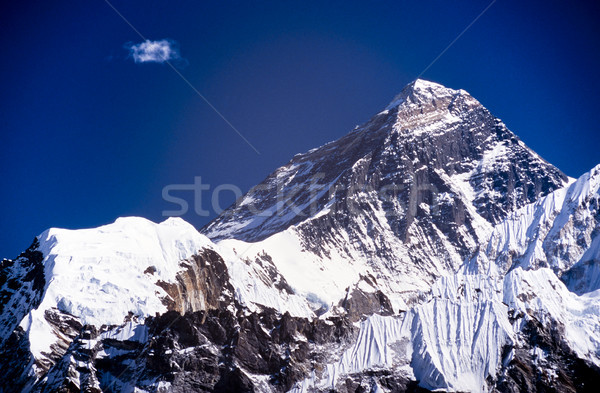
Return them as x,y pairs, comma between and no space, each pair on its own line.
87,135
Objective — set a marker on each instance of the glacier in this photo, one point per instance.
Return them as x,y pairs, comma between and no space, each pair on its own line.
460,336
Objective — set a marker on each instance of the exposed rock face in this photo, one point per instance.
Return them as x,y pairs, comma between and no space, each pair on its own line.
559,231
409,151
358,303
22,285
202,284
17,361
66,328
547,364
205,351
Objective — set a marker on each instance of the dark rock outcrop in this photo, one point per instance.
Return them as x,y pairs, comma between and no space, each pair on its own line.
202,284
552,367
22,284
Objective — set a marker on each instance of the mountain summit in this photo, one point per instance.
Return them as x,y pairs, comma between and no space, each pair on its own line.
422,91
410,193
427,250
427,126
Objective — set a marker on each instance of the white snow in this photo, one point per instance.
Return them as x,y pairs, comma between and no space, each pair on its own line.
130,331
321,282
97,275
456,340
544,233
542,294
250,290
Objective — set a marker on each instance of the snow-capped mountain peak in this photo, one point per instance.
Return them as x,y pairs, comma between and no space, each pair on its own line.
102,275
406,195
422,91
429,248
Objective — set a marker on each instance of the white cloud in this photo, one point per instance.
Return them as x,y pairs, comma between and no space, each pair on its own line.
158,51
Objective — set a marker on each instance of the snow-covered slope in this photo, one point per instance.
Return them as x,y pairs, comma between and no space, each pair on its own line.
22,284
98,274
104,274
558,231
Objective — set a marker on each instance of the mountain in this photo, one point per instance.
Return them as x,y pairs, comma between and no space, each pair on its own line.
428,249
399,201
